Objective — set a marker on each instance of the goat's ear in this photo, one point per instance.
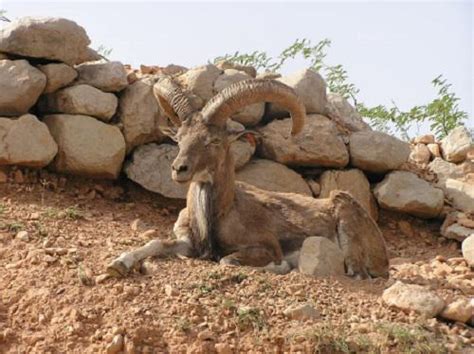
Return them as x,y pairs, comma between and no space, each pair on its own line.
250,135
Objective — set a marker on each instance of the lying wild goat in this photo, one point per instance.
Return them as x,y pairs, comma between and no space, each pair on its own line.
235,222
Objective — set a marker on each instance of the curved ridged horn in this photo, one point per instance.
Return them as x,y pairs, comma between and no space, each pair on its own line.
172,100
247,92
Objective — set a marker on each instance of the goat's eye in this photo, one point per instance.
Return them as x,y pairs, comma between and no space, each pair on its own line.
215,141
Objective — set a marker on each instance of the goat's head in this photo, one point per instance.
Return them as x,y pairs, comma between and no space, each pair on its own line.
204,136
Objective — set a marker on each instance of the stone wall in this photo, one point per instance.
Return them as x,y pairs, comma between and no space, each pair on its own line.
64,108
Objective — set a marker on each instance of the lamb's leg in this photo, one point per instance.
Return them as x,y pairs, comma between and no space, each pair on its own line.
359,238
127,261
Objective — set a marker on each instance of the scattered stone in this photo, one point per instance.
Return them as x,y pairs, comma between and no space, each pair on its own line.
319,144
455,231
420,154
456,145
109,76
314,186
444,170
150,167
80,99
377,152
425,139
140,115
302,312
23,236
405,192
170,291
460,310
50,38
206,335
249,70
461,194
342,112
116,345
200,80
18,177
87,147
405,228
310,88
26,142
434,150
223,348
272,176
468,250
249,115
242,151
320,257
20,86
58,75
412,297
3,177
102,278
352,181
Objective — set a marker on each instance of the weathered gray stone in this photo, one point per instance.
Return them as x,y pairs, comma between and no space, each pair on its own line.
320,257
80,99
273,176
420,154
249,70
242,150
58,75
445,170
26,142
49,38
456,145
87,147
412,297
342,112
377,152
249,115
140,114
109,76
310,88
352,181
461,194
406,192
317,145
20,86
460,310
301,312
468,250
200,80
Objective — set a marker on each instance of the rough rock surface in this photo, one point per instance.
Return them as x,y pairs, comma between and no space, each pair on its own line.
317,145
444,170
377,152
109,76
150,167
200,80
249,115
273,176
352,181
459,311
320,257
80,99
461,194
20,86
310,88
140,114
301,312
26,142
342,112
468,250
87,147
456,145
58,75
406,192
56,39
412,297
420,154
242,150
249,70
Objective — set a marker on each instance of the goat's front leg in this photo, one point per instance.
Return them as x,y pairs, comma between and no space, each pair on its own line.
127,261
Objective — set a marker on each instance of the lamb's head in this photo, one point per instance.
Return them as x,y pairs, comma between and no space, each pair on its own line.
204,136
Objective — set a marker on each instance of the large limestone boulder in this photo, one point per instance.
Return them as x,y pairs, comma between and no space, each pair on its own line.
412,297
50,38
342,112
273,176
320,257
310,88
26,142
352,181
20,86
150,167
319,144
139,114
444,170
468,250
58,75
200,81
249,115
407,193
87,147
80,99
109,76
461,194
457,144
377,152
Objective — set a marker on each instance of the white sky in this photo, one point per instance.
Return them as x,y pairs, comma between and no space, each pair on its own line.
392,50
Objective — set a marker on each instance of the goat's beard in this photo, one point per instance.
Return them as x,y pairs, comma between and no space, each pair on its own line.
203,223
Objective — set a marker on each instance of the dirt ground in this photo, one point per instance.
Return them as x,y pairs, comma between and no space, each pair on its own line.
54,299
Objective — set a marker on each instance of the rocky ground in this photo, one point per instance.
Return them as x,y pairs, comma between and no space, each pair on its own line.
57,235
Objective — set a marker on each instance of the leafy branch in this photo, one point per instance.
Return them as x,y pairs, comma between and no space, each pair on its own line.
3,17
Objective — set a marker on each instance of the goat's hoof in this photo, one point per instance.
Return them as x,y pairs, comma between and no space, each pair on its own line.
117,269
